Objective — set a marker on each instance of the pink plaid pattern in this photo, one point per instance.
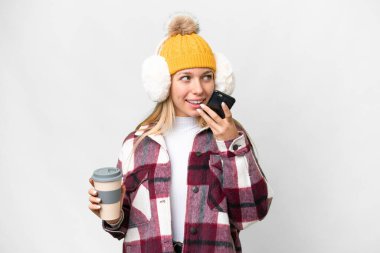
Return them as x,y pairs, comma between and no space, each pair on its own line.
226,192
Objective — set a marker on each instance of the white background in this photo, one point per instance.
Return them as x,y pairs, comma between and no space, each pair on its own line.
308,90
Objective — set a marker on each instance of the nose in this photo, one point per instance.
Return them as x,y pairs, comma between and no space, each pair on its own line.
197,87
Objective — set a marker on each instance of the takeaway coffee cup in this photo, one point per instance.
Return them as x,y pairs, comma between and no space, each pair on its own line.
107,182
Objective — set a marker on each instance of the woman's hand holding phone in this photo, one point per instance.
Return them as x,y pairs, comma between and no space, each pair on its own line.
223,129
216,99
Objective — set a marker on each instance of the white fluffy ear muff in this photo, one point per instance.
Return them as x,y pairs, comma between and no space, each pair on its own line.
224,76
156,78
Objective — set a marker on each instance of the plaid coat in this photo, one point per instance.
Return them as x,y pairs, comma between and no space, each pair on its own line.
226,192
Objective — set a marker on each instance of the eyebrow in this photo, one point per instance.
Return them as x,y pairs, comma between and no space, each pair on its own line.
187,72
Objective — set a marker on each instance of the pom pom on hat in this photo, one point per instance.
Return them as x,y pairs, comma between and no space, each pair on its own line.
182,23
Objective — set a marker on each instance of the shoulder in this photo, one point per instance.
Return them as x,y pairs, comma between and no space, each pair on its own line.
128,145
129,137
135,134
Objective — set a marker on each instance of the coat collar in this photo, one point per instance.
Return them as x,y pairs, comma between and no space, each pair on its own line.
159,138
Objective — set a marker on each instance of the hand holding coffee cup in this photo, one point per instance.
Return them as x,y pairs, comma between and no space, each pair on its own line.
106,198
95,201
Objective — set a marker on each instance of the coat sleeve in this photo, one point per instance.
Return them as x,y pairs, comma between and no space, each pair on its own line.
244,184
120,230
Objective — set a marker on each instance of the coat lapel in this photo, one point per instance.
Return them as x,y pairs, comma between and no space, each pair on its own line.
159,138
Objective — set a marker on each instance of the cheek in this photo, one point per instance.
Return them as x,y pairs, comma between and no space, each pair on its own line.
177,92
210,89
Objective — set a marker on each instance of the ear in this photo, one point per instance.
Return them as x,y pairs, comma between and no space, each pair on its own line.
224,76
156,77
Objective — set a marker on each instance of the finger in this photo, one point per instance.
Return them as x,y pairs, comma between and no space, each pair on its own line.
94,200
211,113
226,110
93,192
91,181
94,207
207,118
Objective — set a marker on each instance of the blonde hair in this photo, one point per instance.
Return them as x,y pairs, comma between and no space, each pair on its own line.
160,120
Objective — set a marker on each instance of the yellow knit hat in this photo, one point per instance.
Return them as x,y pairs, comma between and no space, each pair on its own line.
184,48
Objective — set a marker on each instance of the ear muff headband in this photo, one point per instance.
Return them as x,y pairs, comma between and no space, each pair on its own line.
156,77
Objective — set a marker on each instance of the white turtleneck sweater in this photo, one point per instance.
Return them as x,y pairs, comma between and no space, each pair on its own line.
179,141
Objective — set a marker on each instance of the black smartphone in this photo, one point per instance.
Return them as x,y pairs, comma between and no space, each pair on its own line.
215,102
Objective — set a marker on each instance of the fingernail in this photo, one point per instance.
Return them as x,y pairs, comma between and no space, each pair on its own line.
97,207
98,200
223,103
94,192
202,105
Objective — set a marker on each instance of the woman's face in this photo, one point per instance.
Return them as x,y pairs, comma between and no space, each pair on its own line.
189,88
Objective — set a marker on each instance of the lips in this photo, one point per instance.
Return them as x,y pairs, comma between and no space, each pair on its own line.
194,103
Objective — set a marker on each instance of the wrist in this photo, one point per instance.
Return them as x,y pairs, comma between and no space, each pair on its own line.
228,137
115,221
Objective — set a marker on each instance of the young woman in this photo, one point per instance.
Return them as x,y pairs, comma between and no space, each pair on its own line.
191,180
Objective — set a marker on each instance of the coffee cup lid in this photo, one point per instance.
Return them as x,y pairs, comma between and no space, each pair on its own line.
107,174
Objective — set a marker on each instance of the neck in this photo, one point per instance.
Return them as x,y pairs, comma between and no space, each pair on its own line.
185,121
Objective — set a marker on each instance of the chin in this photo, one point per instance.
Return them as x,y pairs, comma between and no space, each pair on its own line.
192,115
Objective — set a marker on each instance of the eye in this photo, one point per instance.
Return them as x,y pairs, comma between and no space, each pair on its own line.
209,77
182,78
